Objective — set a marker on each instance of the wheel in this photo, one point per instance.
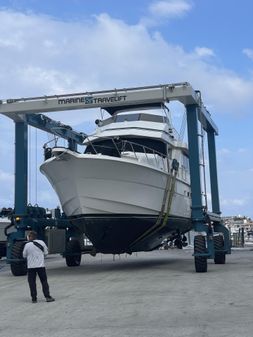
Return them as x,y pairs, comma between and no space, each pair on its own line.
219,257
2,249
200,247
18,268
178,243
73,253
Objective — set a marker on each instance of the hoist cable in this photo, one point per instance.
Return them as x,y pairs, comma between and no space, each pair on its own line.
36,164
29,166
183,127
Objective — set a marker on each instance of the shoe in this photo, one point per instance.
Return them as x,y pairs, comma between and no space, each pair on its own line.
50,299
34,300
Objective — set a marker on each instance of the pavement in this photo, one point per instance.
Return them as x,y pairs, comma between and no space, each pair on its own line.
146,294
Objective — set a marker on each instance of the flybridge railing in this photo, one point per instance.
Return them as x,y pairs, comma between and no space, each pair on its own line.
158,156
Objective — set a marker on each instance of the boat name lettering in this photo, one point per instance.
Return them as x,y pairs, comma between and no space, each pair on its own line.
92,100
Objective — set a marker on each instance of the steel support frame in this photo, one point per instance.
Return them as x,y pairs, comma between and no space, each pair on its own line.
199,215
218,226
213,172
20,193
23,219
21,163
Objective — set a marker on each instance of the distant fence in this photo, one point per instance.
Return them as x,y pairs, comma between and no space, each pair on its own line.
238,238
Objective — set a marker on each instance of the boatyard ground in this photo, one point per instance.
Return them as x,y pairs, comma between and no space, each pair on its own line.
146,294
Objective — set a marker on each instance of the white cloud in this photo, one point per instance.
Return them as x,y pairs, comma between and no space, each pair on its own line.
224,151
242,150
170,8
204,52
233,202
7,184
39,55
68,57
236,186
235,152
248,52
48,197
6,177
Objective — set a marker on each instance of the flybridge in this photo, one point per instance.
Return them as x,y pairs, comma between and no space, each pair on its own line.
111,100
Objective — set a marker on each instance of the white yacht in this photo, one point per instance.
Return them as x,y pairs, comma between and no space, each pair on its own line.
130,189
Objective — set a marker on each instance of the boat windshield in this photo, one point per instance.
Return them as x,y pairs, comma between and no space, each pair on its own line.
115,146
134,117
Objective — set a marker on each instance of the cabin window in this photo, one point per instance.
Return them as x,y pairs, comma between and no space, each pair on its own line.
108,147
129,118
185,162
114,147
170,153
120,118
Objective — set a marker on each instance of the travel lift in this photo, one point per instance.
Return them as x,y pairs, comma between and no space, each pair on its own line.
212,240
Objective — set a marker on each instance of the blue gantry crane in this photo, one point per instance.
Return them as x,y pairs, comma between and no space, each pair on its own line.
212,239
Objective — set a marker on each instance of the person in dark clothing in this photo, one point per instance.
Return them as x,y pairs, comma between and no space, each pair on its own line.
35,251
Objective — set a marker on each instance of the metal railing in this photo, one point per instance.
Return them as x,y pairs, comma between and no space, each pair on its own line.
152,156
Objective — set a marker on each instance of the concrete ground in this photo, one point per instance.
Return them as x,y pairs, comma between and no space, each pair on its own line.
146,294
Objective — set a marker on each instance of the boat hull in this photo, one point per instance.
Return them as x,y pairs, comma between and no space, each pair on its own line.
116,201
126,233
97,184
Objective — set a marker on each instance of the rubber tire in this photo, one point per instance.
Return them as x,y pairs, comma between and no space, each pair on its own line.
2,249
73,247
179,244
18,268
219,258
200,247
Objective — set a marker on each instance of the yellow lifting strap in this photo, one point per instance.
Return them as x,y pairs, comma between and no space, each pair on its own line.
168,194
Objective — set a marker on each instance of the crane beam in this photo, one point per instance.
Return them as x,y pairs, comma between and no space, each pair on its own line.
56,128
110,100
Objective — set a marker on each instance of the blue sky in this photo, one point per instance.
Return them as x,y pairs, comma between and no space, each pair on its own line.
49,47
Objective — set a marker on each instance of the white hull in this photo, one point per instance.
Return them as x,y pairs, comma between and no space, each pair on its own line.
99,184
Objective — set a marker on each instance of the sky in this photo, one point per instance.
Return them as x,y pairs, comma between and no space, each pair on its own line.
63,46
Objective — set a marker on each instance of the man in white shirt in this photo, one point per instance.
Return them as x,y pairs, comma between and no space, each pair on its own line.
34,252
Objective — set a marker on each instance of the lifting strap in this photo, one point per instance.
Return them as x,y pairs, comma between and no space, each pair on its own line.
169,192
